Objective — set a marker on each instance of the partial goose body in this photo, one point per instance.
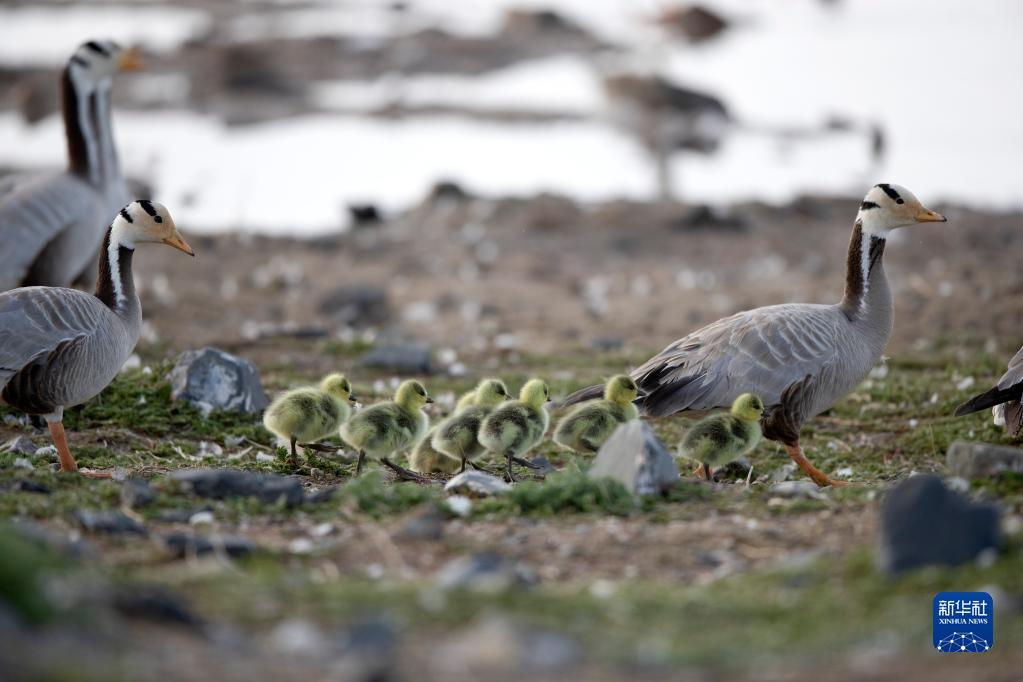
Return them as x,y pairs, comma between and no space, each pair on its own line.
720,438
389,427
586,427
50,223
1005,399
515,427
310,413
457,436
426,459
61,347
799,358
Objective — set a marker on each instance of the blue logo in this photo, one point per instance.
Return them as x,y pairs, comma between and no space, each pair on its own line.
964,622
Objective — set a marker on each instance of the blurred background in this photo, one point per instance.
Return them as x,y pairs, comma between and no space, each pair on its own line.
640,167
274,116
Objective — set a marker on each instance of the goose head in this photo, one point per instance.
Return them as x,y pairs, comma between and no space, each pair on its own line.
144,221
888,206
412,396
621,389
748,407
339,386
491,392
535,393
96,62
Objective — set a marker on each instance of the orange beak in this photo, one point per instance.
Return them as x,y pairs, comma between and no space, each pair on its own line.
180,244
130,60
926,215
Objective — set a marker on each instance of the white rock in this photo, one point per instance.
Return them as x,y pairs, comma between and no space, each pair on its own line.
460,505
201,518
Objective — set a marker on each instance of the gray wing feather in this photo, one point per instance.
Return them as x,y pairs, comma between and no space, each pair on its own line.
1014,375
36,321
762,351
34,211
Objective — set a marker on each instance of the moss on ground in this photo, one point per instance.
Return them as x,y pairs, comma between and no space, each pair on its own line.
833,607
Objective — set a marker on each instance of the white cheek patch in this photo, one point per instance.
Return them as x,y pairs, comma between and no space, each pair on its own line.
870,221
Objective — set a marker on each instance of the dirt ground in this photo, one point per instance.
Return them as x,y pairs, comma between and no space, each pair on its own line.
489,276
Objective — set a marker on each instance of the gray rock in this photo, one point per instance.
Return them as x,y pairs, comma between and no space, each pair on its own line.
548,650
211,379
923,523
476,483
181,515
185,544
219,484
155,604
484,572
409,358
108,521
607,343
635,456
422,525
23,463
357,306
29,486
135,493
797,489
982,460
20,445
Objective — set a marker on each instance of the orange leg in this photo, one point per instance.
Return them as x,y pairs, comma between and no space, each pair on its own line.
702,471
815,474
67,460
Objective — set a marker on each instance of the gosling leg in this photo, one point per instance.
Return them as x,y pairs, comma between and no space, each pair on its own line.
358,467
293,459
508,475
403,473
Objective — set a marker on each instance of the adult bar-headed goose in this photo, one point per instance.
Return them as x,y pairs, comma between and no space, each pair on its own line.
799,358
60,347
1004,399
50,224
664,118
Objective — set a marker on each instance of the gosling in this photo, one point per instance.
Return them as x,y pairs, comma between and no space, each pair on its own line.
425,459
457,436
310,413
586,427
517,425
723,438
389,427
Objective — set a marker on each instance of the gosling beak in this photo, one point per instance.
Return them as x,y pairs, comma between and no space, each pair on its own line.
352,399
429,401
130,60
178,243
926,215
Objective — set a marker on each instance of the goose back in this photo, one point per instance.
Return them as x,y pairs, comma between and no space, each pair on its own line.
49,229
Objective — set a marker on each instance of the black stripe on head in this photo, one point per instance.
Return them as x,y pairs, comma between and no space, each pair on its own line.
75,59
97,48
867,205
126,215
891,192
147,206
